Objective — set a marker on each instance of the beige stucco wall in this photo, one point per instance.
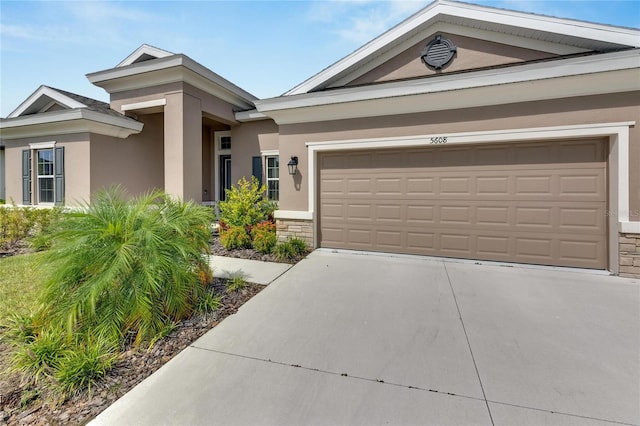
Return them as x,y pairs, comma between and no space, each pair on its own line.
76,166
2,191
580,110
249,140
471,53
135,163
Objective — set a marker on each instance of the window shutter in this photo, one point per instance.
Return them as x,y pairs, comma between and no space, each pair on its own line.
256,168
59,176
26,176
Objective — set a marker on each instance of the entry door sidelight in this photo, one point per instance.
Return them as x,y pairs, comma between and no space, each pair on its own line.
225,175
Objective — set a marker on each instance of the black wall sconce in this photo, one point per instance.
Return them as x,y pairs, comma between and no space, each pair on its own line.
293,165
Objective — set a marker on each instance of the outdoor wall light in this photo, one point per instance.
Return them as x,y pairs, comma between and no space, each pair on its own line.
293,165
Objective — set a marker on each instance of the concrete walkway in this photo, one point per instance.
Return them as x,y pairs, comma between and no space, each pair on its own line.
253,271
368,339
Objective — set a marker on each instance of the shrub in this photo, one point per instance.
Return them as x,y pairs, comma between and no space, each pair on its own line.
126,267
245,204
290,249
235,283
41,356
234,237
264,237
19,223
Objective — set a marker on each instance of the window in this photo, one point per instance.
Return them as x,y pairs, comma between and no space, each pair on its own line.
273,177
45,177
225,142
43,174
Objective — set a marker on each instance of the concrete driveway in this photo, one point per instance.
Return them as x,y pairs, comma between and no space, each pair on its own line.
370,339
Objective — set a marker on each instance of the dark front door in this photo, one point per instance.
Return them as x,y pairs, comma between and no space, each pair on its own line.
225,175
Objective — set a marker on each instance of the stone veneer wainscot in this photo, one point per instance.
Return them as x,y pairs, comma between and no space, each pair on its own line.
302,229
630,255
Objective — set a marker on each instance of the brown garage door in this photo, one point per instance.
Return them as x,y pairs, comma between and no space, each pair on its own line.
539,202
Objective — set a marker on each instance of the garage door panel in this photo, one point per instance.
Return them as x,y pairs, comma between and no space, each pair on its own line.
533,202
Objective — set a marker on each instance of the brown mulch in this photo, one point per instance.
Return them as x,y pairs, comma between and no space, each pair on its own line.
15,248
132,367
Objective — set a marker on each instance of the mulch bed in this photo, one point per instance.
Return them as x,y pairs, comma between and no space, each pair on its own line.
132,367
218,250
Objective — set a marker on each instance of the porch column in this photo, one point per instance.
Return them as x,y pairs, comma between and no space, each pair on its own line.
183,147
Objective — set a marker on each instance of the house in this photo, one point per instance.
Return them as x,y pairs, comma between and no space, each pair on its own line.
464,131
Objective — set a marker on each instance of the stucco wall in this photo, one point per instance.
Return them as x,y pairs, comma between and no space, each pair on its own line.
76,166
471,53
249,140
2,190
135,163
580,110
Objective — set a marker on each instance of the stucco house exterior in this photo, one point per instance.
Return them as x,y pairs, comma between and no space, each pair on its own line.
464,131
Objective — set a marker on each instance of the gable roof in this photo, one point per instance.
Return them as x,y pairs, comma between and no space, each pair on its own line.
545,33
78,114
144,53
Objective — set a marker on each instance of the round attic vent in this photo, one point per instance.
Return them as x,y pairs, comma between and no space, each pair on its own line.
438,52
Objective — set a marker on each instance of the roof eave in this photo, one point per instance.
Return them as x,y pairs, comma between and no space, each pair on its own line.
115,79
66,122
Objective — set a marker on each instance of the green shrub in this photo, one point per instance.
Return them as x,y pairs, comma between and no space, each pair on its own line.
234,237
2,201
126,267
245,204
264,237
20,223
84,364
235,283
290,249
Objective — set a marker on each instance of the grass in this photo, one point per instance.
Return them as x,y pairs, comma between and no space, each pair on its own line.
19,283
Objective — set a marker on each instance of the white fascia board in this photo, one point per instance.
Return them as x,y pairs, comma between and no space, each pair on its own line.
142,105
49,92
115,79
142,50
519,73
430,15
67,122
250,115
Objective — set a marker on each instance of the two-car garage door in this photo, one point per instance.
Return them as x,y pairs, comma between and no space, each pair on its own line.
539,202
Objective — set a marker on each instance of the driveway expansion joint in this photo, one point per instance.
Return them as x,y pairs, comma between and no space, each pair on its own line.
333,373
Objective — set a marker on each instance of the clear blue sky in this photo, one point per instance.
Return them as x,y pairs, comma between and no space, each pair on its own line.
265,47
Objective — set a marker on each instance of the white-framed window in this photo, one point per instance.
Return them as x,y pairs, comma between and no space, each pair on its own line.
225,142
273,177
45,177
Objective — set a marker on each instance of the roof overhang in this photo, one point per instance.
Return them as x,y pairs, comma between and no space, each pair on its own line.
583,36
68,122
171,69
579,76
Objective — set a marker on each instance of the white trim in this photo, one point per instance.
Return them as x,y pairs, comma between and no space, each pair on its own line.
145,104
618,134
145,49
251,115
50,93
293,214
476,16
270,152
630,227
67,122
42,145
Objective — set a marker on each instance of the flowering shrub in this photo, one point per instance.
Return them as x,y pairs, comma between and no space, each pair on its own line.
234,237
264,237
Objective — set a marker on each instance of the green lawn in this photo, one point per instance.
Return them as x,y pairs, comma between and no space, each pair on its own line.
19,281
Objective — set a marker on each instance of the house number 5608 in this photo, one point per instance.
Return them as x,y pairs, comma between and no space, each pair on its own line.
439,139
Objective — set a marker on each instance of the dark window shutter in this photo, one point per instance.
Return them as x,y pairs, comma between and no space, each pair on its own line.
26,176
256,168
59,176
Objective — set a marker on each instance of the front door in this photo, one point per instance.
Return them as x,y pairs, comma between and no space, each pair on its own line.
225,175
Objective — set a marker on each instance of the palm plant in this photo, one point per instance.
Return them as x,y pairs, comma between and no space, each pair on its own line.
127,267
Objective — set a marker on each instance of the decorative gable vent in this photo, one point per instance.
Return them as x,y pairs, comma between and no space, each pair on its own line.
438,52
